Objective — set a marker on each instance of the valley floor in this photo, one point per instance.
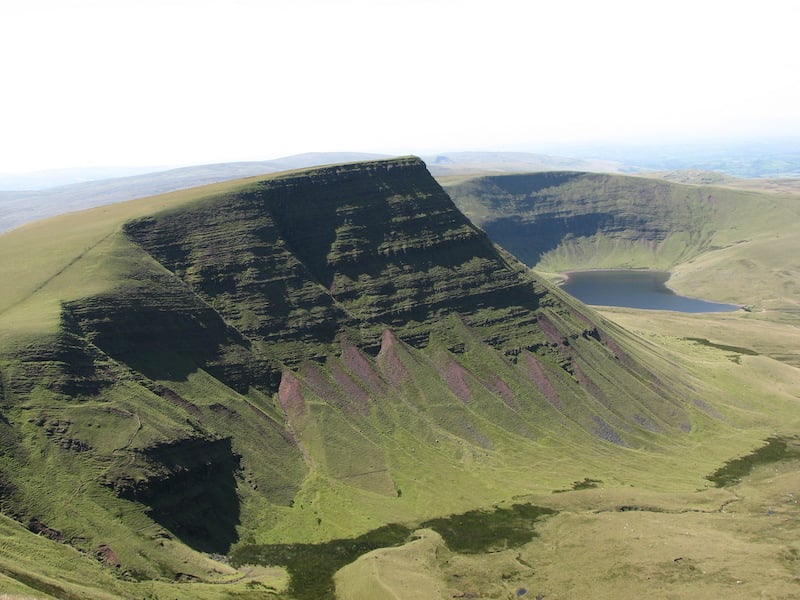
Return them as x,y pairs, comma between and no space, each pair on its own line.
740,542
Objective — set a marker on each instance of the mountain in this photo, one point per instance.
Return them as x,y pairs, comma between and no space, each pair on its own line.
294,358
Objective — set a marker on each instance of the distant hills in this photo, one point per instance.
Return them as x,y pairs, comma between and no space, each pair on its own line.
776,157
27,205
472,163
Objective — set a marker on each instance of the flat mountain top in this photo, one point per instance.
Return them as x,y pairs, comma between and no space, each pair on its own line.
38,195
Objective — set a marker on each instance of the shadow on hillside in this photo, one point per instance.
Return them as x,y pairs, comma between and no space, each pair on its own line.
195,497
529,240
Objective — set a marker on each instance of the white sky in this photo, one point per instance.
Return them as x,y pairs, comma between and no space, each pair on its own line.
170,82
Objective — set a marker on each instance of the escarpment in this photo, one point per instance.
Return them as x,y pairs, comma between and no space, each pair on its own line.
340,328
293,260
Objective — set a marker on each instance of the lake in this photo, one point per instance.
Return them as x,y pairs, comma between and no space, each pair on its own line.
634,289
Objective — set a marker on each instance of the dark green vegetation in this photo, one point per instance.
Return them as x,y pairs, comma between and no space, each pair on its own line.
586,483
480,531
775,450
736,351
726,348
297,359
312,566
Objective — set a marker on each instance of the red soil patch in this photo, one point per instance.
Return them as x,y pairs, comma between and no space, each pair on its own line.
320,384
456,378
389,360
106,555
536,373
290,396
357,399
501,387
355,360
345,393
550,331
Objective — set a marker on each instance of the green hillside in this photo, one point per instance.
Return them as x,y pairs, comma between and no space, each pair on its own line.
282,362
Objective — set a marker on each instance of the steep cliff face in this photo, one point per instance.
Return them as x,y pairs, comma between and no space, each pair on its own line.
293,260
343,328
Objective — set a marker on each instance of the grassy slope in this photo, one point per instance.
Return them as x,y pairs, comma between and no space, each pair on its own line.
431,481
37,567
85,256
678,541
68,257
682,544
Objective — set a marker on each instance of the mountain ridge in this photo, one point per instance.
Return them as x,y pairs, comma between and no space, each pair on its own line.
25,205
252,358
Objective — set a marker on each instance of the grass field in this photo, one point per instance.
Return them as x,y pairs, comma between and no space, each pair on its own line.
739,542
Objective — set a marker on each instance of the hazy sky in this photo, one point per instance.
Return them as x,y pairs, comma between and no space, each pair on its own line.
172,82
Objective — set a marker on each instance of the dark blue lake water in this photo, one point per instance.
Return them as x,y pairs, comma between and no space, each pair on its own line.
634,289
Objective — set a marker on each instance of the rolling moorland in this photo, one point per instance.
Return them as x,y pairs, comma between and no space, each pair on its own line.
335,374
